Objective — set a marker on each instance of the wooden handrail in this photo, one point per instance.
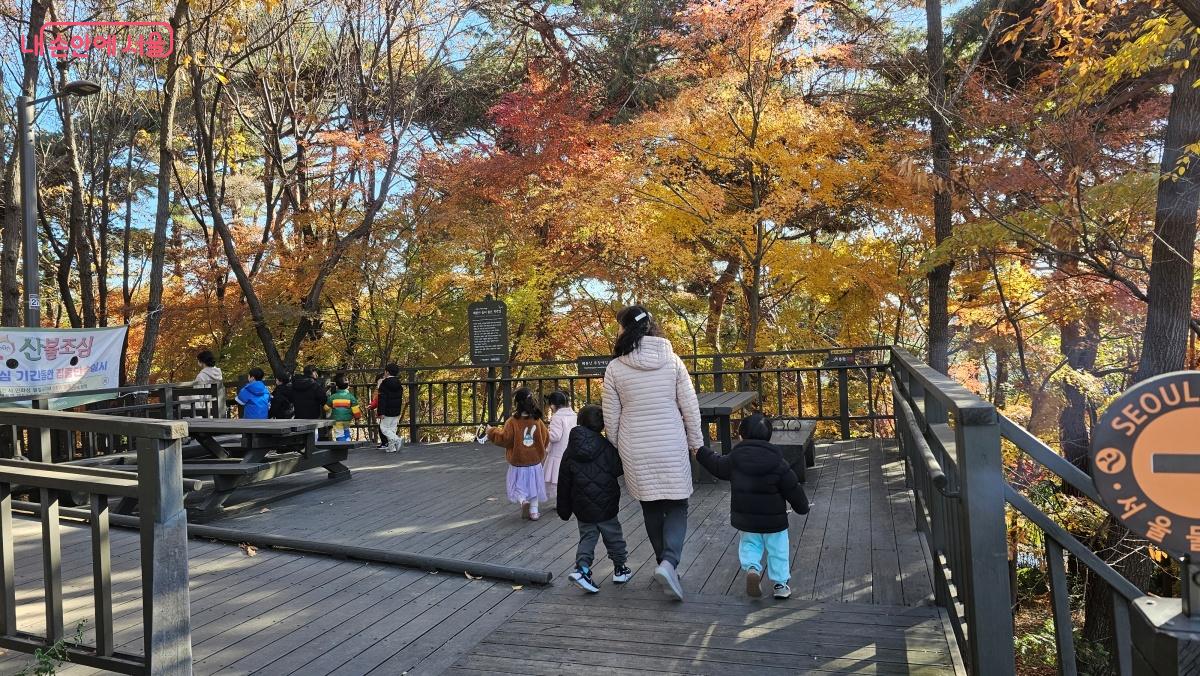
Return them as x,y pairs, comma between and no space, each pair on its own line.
92,422
967,405
74,478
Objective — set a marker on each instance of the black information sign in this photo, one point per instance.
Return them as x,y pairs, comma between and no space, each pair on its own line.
592,366
1145,461
487,324
841,357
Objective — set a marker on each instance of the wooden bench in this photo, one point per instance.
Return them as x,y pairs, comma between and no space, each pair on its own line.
797,445
227,476
342,445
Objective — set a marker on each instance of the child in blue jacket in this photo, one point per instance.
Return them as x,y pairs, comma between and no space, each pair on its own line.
254,396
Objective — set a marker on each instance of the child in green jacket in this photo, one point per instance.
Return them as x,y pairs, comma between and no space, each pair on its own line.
342,407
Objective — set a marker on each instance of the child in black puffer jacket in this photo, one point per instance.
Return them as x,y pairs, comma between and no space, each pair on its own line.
762,484
587,487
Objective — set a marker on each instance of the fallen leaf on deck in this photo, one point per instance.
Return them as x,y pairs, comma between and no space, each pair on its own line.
472,577
518,587
491,499
249,549
264,509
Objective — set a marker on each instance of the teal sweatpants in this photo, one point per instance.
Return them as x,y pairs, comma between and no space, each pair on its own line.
750,552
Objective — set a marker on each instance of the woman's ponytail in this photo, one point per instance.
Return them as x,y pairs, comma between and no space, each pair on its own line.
636,323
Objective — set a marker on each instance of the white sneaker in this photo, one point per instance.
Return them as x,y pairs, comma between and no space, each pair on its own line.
622,574
782,591
582,578
669,579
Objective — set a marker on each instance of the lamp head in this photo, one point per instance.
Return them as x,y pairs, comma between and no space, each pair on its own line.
81,88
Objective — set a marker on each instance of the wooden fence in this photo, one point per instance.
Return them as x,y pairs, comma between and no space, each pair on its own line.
158,487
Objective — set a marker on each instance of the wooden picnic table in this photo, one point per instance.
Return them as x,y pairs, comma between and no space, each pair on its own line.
719,408
229,453
258,437
243,452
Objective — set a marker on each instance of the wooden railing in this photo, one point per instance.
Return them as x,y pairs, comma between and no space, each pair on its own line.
164,401
158,487
951,442
793,384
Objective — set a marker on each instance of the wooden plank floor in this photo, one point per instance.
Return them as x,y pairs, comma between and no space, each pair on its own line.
859,543
636,631
856,556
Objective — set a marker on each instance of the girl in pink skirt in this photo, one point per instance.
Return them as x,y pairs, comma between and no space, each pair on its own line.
524,438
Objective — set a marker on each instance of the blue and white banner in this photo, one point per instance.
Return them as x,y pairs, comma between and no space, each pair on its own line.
43,362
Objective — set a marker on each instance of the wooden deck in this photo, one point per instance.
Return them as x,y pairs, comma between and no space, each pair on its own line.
861,582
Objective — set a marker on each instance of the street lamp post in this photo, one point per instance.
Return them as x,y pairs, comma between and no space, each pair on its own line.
26,112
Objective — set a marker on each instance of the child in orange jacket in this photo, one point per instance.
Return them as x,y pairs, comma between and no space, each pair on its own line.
524,438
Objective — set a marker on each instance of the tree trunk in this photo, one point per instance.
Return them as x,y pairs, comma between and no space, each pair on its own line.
1191,8
1127,553
10,287
1164,342
939,136
752,294
66,255
162,213
78,238
102,229
221,227
1000,387
1079,340
1169,299
126,238
716,304
10,258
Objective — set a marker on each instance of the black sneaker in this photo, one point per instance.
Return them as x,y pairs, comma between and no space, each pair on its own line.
622,574
582,578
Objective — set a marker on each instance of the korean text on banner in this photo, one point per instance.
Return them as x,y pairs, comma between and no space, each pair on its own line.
44,362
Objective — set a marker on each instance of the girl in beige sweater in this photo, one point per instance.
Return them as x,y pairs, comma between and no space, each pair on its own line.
524,438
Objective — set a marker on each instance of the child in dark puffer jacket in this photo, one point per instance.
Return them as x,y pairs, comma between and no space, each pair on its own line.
587,487
762,484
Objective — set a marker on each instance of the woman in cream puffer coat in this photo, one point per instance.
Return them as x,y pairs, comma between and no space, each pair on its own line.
651,414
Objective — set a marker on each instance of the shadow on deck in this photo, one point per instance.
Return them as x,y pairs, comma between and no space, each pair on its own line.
861,579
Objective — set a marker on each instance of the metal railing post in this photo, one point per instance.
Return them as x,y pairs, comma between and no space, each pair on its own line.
718,374
844,401
166,613
491,396
506,391
414,429
981,485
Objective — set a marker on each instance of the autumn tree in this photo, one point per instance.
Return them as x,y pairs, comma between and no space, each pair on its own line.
747,173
